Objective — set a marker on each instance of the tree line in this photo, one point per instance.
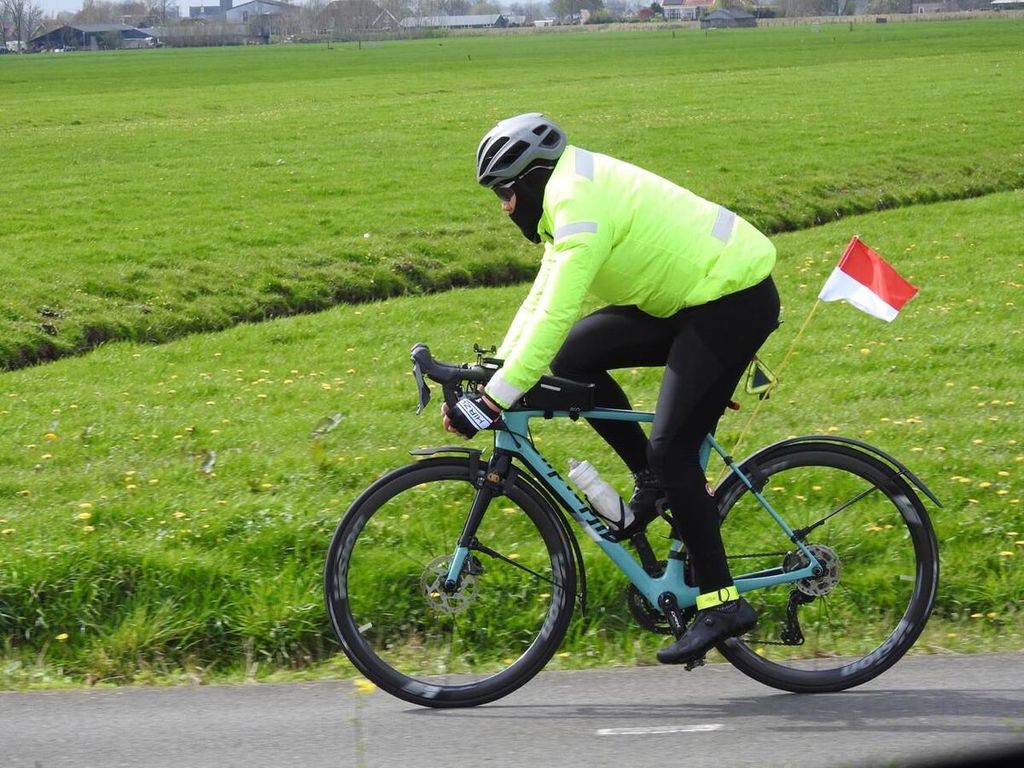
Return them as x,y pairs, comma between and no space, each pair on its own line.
21,20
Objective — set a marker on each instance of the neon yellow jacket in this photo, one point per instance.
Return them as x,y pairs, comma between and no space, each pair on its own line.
628,237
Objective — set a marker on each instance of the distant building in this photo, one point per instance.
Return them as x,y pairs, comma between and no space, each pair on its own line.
93,37
727,19
246,12
686,10
476,21
209,11
359,16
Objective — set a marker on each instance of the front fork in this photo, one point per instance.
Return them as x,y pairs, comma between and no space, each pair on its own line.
492,484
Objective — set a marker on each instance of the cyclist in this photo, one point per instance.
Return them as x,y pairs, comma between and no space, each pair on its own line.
688,287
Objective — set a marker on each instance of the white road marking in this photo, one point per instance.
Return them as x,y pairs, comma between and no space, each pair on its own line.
656,729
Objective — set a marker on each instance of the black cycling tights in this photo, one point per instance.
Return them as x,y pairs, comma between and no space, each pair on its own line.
705,351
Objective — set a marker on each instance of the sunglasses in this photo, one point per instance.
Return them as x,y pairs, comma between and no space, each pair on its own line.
505,192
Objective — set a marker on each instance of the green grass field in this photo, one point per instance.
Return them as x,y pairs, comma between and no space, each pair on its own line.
149,194
165,509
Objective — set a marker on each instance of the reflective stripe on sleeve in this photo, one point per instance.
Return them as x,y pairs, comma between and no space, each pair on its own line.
576,228
724,223
501,392
585,164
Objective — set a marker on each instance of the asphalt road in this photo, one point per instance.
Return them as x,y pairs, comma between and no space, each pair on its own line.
927,711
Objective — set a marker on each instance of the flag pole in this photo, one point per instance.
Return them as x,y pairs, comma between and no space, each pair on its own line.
778,376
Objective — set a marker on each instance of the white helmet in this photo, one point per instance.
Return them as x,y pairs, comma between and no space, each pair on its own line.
514,144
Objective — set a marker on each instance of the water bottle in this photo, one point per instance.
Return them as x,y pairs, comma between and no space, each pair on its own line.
602,497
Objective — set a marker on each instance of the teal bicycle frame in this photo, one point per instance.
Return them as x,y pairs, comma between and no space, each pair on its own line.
513,442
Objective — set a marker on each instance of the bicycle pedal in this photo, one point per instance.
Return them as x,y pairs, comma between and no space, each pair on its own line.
692,665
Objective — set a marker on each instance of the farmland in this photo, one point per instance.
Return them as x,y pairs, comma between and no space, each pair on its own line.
167,498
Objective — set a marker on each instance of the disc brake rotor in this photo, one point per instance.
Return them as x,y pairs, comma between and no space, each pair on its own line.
432,583
816,586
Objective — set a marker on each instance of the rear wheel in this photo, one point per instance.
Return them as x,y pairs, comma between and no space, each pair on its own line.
866,526
384,579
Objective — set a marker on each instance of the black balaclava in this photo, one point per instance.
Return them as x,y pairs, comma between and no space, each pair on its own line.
529,189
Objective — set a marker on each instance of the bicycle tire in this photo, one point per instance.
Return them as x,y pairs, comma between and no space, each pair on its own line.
411,638
882,566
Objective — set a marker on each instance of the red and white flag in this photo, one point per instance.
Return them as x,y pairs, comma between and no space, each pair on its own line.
865,280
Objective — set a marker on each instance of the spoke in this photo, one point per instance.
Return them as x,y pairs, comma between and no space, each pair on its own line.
478,547
802,532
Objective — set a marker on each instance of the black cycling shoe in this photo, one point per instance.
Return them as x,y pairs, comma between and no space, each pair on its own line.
646,503
710,627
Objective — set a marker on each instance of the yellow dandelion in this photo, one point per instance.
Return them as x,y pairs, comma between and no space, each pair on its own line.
178,515
977,615
24,492
61,637
88,528
50,436
84,515
1006,553
985,484
363,685
7,531
131,487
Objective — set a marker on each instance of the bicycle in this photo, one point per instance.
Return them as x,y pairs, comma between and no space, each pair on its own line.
451,581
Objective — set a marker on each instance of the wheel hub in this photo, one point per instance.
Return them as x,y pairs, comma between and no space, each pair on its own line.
432,582
816,586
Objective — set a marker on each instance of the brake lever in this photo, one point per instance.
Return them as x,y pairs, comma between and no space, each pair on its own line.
421,386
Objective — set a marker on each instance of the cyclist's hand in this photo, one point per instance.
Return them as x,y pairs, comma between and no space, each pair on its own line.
470,414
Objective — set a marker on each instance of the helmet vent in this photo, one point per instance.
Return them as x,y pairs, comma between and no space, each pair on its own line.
551,140
513,153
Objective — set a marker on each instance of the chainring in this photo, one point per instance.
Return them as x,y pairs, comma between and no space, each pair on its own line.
649,617
432,584
815,586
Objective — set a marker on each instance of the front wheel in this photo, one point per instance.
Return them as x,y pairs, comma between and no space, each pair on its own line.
870,532
384,586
